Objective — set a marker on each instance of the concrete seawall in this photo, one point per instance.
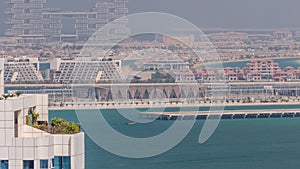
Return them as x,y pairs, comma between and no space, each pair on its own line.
93,106
222,115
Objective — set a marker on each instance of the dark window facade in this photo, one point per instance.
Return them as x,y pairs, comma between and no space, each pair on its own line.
26,11
28,164
44,164
3,164
62,162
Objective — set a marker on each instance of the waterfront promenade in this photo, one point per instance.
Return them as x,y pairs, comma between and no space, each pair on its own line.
107,105
147,84
227,114
202,111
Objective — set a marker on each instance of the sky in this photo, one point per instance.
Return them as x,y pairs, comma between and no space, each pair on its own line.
242,14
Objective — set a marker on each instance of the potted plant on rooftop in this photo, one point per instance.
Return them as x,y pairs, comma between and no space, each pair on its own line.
28,117
61,126
35,116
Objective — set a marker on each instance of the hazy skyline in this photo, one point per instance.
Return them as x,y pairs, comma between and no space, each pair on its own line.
243,14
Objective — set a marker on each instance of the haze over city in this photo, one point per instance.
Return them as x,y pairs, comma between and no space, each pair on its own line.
81,88
258,14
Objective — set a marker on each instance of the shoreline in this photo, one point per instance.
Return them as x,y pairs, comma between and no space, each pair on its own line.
248,60
169,105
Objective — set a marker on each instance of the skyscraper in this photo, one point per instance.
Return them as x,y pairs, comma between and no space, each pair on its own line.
24,17
32,18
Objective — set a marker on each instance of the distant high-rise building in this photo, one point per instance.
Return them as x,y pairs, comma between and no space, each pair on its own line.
31,18
283,35
297,34
24,17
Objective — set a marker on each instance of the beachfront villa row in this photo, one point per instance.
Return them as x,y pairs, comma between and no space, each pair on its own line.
256,70
239,36
184,76
28,70
23,145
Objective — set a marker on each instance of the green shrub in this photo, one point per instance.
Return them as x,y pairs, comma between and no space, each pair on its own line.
73,128
61,126
57,122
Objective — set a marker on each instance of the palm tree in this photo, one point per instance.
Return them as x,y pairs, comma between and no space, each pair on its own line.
5,96
18,93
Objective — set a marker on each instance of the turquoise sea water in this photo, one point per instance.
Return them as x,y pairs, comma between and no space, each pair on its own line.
236,144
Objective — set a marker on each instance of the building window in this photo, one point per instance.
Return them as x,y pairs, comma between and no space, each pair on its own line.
26,31
46,26
3,164
26,11
44,164
46,16
62,162
112,10
26,21
92,16
26,1
52,163
28,164
92,26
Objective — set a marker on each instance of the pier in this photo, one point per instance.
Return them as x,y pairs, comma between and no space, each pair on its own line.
259,114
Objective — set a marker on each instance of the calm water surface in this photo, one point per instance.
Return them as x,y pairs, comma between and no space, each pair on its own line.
236,144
